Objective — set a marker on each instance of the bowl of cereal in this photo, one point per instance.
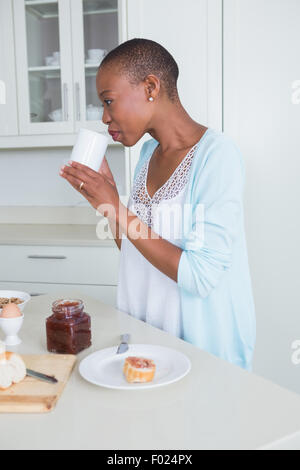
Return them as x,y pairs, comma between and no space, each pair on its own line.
13,297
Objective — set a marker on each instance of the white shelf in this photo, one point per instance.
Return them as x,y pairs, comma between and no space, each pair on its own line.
43,9
54,72
91,70
49,8
47,72
96,7
100,12
40,141
44,68
40,2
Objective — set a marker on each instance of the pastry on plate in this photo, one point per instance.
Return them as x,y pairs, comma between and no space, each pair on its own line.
138,369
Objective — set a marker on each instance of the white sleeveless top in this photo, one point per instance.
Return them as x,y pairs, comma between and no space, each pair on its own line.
143,291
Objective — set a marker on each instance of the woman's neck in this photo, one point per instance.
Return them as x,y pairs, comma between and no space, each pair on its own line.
174,129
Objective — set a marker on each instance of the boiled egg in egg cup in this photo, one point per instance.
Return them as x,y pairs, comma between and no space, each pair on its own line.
15,294
11,320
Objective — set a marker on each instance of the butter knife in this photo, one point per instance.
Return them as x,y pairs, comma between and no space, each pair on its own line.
124,344
38,375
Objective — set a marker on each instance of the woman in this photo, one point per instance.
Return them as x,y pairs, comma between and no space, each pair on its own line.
194,282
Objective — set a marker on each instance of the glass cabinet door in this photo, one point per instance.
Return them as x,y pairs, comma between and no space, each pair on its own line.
43,39
97,32
8,91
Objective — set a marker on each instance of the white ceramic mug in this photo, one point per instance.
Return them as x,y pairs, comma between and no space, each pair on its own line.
90,148
49,60
96,54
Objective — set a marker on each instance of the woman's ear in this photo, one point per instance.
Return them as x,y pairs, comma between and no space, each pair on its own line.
152,87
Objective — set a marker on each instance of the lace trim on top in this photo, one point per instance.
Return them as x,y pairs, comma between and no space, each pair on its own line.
143,203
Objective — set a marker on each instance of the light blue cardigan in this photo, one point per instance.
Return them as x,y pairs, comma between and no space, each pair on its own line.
213,274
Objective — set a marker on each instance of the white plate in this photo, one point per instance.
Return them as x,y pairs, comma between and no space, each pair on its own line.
105,367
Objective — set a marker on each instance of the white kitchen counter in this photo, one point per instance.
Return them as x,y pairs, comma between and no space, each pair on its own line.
216,406
52,234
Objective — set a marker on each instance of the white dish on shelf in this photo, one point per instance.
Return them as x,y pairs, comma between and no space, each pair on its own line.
56,115
48,60
93,113
105,368
53,60
96,54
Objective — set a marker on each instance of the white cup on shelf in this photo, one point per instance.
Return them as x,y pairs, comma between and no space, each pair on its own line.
56,58
96,55
56,115
49,60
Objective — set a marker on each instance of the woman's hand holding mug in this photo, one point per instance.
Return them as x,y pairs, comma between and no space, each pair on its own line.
96,184
98,187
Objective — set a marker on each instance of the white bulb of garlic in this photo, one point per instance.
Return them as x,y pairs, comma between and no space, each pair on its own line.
12,368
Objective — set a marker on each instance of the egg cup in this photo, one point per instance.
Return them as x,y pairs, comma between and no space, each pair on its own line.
11,328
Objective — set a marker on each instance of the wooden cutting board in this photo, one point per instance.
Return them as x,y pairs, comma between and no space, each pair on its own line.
32,395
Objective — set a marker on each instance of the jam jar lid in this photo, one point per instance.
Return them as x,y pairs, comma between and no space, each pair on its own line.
68,307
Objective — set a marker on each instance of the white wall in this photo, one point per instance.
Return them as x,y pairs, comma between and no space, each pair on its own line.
262,42
30,177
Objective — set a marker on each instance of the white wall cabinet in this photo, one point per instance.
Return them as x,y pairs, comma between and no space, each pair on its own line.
107,294
8,107
42,269
40,30
100,24
56,77
59,264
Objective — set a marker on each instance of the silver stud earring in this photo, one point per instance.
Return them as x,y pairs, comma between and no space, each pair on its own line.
151,98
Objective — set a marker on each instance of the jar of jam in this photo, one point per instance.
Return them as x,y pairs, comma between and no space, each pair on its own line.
69,328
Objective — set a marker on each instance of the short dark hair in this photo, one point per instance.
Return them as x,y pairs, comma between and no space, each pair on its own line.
137,58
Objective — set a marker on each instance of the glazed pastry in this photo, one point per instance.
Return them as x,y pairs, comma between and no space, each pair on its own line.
12,368
138,369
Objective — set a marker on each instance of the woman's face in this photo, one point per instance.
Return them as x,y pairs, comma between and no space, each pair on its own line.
127,110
